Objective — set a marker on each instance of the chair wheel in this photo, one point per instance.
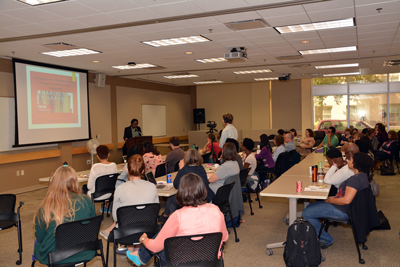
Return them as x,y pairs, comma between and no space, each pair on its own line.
269,252
365,247
252,213
18,262
286,220
260,207
361,261
237,240
323,257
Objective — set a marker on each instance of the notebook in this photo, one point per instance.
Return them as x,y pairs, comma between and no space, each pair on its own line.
159,185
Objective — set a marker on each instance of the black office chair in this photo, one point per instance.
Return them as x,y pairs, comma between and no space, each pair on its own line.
8,218
196,250
133,221
264,173
75,237
104,190
176,166
363,217
206,157
161,170
243,181
282,164
222,201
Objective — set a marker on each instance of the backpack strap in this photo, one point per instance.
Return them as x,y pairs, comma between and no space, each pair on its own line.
305,251
295,241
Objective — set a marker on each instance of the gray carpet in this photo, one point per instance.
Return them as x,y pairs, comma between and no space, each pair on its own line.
266,226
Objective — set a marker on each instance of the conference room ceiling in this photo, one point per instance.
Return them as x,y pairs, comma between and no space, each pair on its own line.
117,28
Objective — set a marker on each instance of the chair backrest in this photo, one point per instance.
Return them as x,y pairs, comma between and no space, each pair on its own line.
160,170
135,220
294,157
177,166
105,184
243,176
196,250
279,169
7,207
319,135
222,196
75,237
206,157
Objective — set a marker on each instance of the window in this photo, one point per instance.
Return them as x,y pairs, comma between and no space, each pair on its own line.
328,110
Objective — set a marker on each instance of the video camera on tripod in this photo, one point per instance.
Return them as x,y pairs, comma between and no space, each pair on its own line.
211,125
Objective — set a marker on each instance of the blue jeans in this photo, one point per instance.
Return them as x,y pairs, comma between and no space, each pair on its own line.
145,255
321,209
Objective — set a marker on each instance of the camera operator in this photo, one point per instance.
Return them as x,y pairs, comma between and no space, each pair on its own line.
229,130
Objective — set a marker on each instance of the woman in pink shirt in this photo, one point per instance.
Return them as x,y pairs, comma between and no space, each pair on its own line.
151,157
196,217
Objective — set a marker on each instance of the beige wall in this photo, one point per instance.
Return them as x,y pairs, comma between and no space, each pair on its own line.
306,105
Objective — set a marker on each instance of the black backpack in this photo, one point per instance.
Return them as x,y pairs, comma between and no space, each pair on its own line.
301,246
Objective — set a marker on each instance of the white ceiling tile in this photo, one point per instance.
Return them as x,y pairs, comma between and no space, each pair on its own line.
334,42
288,20
147,3
382,40
282,11
300,35
11,4
6,21
64,25
376,19
258,32
378,52
31,29
309,46
128,30
317,57
176,9
156,27
372,47
69,9
98,20
8,33
109,6
222,36
217,28
369,10
238,17
344,55
219,5
369,2
343,13
136,14
338,32
337,39
327,5
269,39
377,34
176,33
235,42
32,14
198,22
149,36
378,27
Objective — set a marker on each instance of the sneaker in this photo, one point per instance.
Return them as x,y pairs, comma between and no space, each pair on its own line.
104,234
121,247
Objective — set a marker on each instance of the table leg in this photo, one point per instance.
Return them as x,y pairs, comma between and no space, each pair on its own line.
305,204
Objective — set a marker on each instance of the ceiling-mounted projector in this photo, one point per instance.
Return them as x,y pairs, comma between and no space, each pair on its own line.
236,55
285,77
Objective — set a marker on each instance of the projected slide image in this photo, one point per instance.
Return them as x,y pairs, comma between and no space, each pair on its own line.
53,99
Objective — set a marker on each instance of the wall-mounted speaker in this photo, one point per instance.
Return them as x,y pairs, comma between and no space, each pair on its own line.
100,80
199,115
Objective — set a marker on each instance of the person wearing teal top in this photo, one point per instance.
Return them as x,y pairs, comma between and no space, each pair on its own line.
63,203
330,139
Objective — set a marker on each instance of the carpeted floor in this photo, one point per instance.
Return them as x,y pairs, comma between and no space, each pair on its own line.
265,226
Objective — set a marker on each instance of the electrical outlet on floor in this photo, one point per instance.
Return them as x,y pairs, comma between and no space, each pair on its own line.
88,162
22,172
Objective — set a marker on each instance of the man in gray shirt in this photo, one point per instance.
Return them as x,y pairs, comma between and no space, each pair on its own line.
175,155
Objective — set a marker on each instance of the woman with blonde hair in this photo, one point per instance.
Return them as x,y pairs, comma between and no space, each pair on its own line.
62,203
134,192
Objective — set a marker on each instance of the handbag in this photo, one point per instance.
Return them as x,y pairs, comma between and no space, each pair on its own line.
374,188
384,222
387,169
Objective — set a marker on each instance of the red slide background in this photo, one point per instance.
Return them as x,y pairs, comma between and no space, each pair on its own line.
46,113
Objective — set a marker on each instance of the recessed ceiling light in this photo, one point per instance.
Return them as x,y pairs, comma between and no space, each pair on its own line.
342,74
137,66
211,60
329,50
181,76
266,79
252,71
323,25
71,52
39,2
96,61
337,66
188,52
177,41
304,42
207,82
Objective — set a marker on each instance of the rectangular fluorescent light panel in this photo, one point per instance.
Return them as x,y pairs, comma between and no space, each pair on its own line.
337,66
329,50
177,41
342,74
137,66
252,71
317,26
181,76
39,2
266,79
71,52
208,82
211,60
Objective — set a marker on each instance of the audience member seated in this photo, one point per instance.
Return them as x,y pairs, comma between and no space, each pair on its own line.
388,148
239,159
289,146
133,150
62,203
249,159
381,134
365,145
307,143
280,147
354,131
330,140
212,147
335,206
346,137
228,168
371,135
152,157
281,132
99,169
339,170
196,217
229,130
175,155
134,192
296,138
265,154
191,163
364,131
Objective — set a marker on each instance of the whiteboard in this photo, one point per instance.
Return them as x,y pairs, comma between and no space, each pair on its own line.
154,120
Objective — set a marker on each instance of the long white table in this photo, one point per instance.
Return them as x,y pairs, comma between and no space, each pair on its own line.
285,186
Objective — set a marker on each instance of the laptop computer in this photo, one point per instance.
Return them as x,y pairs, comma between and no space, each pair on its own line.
160,185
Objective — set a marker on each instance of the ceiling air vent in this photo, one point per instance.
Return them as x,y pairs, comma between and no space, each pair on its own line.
391,63
59,46
289,57
299,66
247,24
